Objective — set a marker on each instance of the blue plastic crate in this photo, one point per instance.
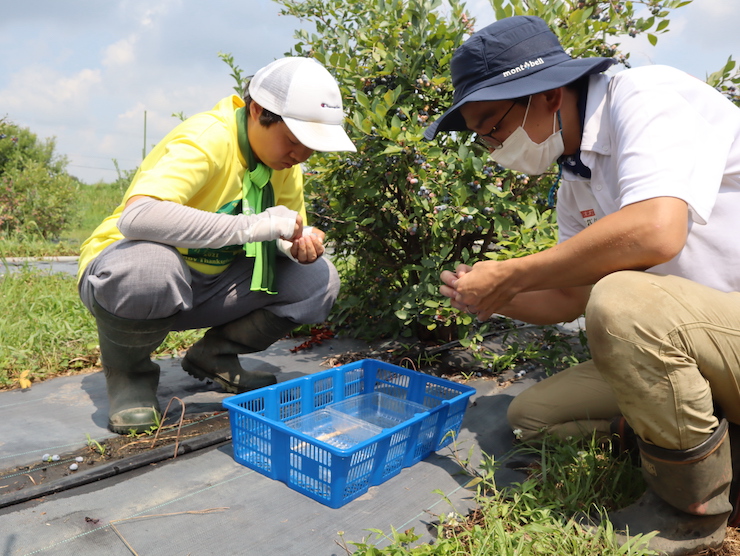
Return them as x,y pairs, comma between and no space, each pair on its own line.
334,476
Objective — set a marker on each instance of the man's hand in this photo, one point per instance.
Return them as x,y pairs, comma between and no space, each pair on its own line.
480,290
450,280
487,287
309,246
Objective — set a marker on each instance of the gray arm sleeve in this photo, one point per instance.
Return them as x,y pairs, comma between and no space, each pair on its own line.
180,226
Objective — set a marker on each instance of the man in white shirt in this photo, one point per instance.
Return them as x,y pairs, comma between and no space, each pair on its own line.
646,213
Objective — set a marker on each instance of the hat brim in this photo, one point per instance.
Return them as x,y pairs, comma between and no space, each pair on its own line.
530,83
320,137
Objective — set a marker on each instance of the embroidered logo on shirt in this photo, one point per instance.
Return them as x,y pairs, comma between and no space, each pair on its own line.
523,67
325,105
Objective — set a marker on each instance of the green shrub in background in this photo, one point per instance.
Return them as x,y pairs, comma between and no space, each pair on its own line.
401,209
41,201
36,194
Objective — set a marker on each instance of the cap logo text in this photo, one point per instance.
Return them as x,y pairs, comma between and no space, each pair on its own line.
523,67
325,105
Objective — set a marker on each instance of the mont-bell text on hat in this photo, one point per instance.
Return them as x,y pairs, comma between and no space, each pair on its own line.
522,67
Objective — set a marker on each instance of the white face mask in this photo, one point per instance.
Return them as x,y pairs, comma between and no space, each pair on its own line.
521,154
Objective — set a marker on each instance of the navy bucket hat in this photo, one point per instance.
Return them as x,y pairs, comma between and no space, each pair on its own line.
510,58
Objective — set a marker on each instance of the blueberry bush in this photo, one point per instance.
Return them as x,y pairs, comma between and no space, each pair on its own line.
727,81
401,209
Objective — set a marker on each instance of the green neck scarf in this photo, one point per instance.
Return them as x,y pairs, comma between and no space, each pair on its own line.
257,195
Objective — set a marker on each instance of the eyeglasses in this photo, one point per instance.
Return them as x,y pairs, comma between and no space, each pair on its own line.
487,140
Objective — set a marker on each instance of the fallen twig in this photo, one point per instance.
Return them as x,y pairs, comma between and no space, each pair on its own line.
120,536
179,425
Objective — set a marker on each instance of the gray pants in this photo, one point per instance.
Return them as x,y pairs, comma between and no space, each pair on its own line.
145,280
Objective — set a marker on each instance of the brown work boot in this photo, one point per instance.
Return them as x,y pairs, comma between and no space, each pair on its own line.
687,501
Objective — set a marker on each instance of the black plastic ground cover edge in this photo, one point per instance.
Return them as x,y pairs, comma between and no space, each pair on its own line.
116,468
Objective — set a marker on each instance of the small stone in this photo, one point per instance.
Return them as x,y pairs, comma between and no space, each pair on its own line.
46,457
55,458
73,467
79,459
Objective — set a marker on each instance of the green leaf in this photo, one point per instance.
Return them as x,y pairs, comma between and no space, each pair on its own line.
529,218
362,100
653,39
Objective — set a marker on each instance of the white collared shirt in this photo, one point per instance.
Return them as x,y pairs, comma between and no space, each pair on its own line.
655,131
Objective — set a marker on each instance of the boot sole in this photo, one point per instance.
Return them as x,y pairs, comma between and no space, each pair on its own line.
201,374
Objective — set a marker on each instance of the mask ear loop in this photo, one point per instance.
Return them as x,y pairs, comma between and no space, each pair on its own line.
527,110
554,188
556,118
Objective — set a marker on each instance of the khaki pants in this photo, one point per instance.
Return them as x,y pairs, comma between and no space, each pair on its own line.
665,350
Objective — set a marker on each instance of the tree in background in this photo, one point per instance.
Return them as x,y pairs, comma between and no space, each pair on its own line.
36,193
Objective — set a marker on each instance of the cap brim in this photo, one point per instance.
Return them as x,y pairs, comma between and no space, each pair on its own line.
320,137
529,84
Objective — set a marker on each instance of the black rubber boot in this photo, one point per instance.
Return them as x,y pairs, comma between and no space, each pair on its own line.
216,356
687,500
131,376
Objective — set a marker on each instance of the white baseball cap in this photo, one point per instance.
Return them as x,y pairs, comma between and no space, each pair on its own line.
307,97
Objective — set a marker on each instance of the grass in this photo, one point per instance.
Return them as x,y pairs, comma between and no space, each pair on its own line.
46,330
95,203
534,517
28,245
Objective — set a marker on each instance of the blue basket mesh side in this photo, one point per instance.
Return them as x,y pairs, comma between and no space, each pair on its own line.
360,469
318,489
309,469
323,391
252,442
392,382
256,405
354,383
426,439
435,394
290,403
452,424
397,449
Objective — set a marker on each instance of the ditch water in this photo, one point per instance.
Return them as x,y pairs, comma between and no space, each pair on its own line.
50,264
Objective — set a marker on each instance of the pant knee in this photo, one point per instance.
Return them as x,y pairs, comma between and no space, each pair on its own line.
139,280
311,291
618,302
